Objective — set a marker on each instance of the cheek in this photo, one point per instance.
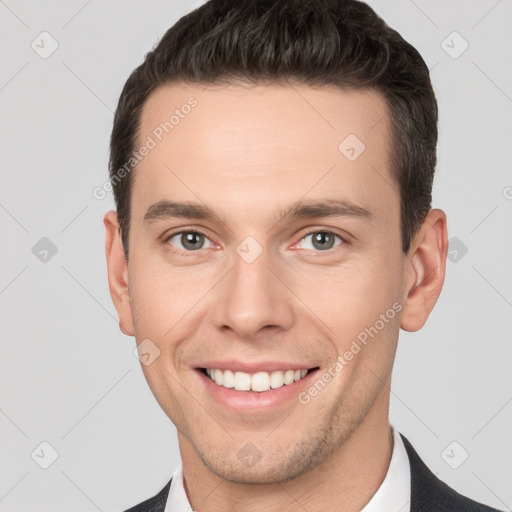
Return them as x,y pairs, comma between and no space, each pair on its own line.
351,297
160,295
358,308
167,303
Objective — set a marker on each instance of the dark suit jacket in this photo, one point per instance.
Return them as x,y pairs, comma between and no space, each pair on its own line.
428,493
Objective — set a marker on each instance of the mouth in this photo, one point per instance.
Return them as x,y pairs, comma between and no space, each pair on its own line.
253,387
259,382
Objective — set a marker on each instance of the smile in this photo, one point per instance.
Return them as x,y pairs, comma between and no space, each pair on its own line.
259,382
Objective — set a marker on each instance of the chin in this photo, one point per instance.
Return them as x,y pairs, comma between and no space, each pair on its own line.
249,465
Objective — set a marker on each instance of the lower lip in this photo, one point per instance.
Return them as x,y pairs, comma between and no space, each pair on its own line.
255,401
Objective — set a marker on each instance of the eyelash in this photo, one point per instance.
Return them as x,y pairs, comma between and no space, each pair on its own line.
180,252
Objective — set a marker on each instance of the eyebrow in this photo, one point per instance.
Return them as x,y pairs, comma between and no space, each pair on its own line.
302,209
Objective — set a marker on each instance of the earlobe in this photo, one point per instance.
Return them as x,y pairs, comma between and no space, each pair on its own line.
426,267
117,268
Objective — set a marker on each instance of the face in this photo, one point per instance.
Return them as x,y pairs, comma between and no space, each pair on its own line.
265,236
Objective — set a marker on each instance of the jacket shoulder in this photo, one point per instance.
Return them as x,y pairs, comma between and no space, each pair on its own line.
429,494
154,504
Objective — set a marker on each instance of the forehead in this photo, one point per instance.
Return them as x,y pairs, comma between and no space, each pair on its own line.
253,114
258,140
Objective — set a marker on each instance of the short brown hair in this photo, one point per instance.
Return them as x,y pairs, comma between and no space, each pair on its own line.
341,43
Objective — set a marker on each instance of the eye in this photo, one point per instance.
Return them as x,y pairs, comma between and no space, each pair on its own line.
188,241
320,241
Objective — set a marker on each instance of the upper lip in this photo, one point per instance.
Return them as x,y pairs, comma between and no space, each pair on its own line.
254,367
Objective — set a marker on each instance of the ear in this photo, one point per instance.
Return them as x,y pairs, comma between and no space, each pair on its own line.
118,273
426,265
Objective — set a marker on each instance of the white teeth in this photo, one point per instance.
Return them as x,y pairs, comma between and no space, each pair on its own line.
242,381
289,377
217,376
276,380
228,379
260,381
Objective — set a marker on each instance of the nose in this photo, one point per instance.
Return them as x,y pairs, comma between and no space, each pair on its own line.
253,297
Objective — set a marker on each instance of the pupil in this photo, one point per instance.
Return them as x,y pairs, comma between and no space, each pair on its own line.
192,241
324,240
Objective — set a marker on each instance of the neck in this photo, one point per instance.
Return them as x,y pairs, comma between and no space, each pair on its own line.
346,480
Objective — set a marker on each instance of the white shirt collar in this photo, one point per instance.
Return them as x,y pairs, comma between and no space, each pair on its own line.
393,495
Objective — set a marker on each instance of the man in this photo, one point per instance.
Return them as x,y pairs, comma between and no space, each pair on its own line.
272,164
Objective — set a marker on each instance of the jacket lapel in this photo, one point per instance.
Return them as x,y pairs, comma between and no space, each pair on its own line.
156,503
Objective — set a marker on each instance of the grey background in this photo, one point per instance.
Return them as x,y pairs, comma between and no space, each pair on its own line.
67,374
